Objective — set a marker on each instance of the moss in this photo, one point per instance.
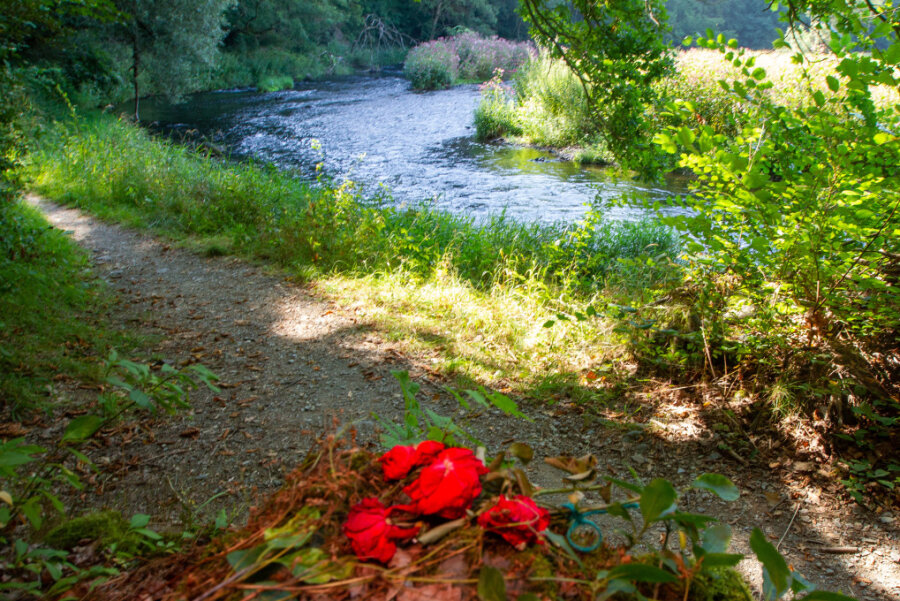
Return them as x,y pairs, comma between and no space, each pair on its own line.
107,527
720,584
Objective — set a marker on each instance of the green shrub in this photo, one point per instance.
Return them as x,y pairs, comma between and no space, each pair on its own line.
552,108
432,65
495,116
275,83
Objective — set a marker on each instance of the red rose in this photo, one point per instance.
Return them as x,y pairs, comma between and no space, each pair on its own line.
371,533
426,451
397,462
448,486
401,460
519,521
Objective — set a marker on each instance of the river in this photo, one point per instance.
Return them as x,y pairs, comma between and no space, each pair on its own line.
419,146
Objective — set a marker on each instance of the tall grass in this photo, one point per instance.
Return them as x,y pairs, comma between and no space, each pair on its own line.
545,106
332,233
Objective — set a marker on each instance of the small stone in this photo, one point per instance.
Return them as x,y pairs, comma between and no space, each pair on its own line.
886,519
638,458
714,456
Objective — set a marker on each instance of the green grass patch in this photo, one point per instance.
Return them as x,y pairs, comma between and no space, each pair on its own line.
275,83
51,312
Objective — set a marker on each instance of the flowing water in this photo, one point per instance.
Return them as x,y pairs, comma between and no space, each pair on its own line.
373,130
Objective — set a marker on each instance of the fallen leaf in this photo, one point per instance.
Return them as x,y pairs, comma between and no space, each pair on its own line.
191,432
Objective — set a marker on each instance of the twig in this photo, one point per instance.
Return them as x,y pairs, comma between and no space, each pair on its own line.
839,550
786,530
732,453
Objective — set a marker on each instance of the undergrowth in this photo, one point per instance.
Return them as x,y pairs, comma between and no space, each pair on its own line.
51,311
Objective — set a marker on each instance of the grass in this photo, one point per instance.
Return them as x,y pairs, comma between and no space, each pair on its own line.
51,312
275,83
479,293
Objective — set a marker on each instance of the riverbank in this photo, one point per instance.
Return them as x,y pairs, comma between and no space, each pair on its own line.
507,278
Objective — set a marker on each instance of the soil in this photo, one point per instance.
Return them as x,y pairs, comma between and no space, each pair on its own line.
293,363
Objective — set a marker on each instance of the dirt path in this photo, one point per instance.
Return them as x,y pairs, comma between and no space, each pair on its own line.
291,362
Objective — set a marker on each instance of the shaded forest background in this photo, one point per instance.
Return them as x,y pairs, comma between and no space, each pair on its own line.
178,46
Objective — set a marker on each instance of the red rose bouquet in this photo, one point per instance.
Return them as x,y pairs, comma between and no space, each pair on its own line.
446,487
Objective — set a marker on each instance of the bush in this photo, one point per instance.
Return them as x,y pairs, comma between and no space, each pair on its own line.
552,107
480,58
275,83
432,66
495,115
466,57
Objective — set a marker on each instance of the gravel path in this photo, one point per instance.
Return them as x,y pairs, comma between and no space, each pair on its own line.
292,363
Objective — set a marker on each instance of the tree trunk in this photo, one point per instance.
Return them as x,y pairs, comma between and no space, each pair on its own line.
135,69
437,16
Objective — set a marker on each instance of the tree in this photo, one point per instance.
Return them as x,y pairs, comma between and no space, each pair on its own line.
616,49
297,25
171,41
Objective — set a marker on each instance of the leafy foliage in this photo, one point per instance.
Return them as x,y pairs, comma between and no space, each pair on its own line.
617,52
794,223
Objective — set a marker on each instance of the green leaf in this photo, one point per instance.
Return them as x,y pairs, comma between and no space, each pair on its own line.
776,573
833,83
882,138
640,572
892,54
718,485
148,533
141,399
623,484
505,404
32,510
714,560
562,543
686,137
549,323
657,499
491,586
81,428
716,539
826,596
13,459
139,520
245,558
